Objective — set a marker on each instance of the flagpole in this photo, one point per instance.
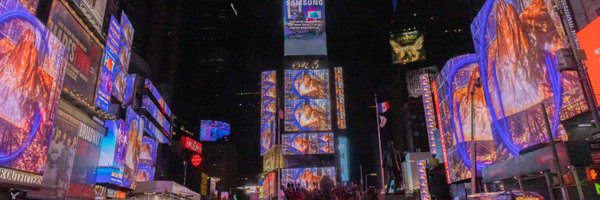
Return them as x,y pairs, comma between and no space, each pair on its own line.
379,140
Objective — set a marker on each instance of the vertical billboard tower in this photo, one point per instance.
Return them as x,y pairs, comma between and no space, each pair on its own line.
313,110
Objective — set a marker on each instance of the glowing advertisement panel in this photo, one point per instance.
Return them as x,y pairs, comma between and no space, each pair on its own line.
407,47
306,62
30,5
423,184
93,11
456,103
112,164
268,110
306,176
83,178
32,67
147,160
307,100
212,131
307,143
340,99
304,27
588,41
516,44
153,131
110,62
126,41
85,51
134,145
161,102
157,115
429,111
344,156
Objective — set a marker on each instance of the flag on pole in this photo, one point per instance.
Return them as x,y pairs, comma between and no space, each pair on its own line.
383,107
382,121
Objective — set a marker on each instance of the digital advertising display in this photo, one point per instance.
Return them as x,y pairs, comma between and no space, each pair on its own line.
304,27
161,102
212,131
83,178
407,47
93,11
307,143
157,115
307,176
113,154
134,145
110,62
147,160
191,144
457,103
32,67
85,51
516,44
268,110
307,115
429,111
589,43
30,5
307,84
126,42
344,157
340,99
306,62
153,131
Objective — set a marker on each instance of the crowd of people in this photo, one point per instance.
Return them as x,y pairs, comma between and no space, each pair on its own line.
326,189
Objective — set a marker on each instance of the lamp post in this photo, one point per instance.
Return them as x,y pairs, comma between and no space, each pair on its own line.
476,84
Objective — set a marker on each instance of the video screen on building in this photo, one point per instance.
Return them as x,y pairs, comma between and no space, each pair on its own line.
147,160
153,131
113,154
110,64
268,111
407,47
212,131
456,104
307,143
307,84
344,157
161,101
340,99
588,40
306,177
85,51
304,27
134,144
83,178
519,71
157,115
307,115
31,78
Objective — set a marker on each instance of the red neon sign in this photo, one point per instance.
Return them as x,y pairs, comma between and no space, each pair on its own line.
196,160
191,144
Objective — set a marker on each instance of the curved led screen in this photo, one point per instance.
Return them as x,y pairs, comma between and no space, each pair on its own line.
32,68
307,143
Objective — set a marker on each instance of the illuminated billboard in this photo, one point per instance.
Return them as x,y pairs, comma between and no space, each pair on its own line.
307,115
340,99
306,84
113,155
153,131
83,178
33,63
212,131
407,47
147,163
456,103
134,144
157,115
93,11
307,143
304,27
161,102
268,110
110,62
344,156
588,41
85,51
126,42
306,176
429,112
517,59
191,144
306,62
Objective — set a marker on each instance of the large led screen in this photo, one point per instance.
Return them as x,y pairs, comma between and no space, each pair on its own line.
344,157
113,154
306,62
340,99
134,144
147,160
212,131
83,178
307,115
589,42
151,130
457,103
161,102
516,44
32,67
307,143
268,110
407,47
110,64
85,51
307,176
307,84
157,115
304,27
126,42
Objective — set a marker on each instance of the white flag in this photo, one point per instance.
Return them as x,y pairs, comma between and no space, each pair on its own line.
382,121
